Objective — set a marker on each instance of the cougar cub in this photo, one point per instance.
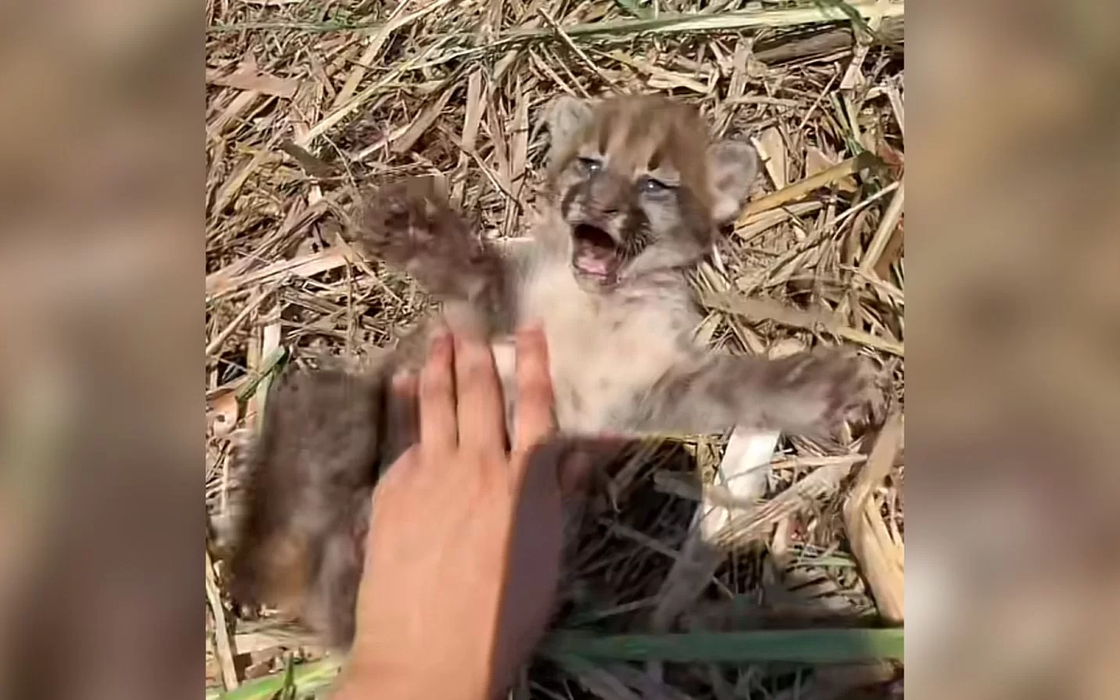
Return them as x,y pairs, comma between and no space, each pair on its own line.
635,192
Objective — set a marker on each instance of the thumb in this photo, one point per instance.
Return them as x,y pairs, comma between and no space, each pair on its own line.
574,462
574,470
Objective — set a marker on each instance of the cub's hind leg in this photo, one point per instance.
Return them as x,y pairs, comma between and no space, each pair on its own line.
305,489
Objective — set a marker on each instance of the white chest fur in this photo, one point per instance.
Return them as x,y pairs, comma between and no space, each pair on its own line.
605,351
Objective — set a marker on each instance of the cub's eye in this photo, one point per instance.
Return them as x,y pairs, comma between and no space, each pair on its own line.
653,185
591,165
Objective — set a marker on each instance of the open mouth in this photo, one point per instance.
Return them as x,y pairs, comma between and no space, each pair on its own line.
595,254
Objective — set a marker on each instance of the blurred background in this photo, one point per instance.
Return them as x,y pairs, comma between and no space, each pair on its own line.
1012,585
1014,225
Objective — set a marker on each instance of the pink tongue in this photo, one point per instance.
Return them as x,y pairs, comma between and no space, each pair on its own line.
592,264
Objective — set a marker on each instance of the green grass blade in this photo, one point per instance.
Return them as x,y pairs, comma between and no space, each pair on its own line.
801,646
580,649
306,679
724,21
856,11
851,12
271,364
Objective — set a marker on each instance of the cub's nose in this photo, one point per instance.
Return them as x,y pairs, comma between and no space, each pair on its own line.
607,194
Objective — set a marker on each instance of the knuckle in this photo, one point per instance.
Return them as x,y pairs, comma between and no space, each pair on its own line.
434,379
535,387
474,364
532,367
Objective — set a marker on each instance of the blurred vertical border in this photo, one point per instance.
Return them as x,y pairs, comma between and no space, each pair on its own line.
1014,390
101,265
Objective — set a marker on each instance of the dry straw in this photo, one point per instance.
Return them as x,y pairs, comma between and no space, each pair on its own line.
308,101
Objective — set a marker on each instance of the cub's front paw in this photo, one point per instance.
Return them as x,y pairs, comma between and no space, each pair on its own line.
818,392
411,223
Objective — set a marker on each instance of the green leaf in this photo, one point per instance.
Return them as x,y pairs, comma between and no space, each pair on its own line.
852,13
582,649
298,680
271,365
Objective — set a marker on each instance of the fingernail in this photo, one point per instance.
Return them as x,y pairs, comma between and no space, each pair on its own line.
462,342
532,331
441,338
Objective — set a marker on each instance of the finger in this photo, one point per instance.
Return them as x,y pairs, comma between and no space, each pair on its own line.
438,430
534,420
573,464
393,475
405,385
402,426
574,472
479,397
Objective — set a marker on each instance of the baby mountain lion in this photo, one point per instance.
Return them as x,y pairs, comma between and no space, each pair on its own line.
635,193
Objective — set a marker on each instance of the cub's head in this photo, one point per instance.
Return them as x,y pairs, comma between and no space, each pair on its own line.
639,186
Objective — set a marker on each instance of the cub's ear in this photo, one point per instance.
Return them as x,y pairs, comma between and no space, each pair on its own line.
732,167
567,117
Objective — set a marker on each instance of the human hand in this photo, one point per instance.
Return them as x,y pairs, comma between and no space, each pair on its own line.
463,554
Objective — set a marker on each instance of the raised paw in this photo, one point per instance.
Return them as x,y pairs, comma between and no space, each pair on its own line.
410,223
817,392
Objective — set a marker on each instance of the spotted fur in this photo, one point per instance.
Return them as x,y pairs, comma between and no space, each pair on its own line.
635,193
